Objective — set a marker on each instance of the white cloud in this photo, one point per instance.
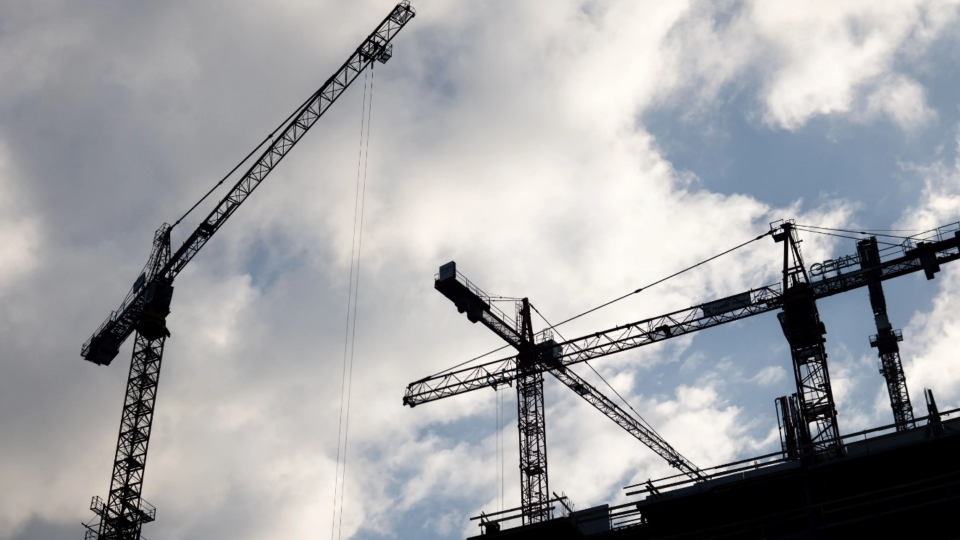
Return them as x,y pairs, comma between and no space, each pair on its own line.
770,376
812,59
19,228
939,201
902,99
928,352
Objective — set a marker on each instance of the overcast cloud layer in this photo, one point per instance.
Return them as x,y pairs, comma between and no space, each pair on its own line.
568,152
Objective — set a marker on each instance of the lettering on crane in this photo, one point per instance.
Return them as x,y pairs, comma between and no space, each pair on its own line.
730,303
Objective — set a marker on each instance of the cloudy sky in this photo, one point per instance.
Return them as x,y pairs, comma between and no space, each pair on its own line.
569,151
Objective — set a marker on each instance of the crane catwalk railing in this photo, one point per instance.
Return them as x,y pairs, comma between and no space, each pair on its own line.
926,257
492,317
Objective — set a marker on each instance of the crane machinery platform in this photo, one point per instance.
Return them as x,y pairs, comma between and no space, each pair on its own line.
821,484
144,310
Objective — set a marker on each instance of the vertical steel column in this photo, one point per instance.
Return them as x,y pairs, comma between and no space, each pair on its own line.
804,331
125,512
886,340
532,426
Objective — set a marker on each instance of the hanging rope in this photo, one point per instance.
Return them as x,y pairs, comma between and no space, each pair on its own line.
353,291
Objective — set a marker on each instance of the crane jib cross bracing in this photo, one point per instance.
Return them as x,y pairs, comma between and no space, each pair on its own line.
146,306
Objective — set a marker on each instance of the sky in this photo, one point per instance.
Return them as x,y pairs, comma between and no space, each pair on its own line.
569,152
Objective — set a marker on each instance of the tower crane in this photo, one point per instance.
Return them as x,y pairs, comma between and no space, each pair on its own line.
144,310
795,297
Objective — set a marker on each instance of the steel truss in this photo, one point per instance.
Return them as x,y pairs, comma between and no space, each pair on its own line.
531,423
125,512
532,426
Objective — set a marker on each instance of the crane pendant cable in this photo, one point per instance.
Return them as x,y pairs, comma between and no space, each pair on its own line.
353,290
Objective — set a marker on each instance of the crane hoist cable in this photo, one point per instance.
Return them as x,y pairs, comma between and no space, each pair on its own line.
614,301
873,232
353,292
346,332
802,228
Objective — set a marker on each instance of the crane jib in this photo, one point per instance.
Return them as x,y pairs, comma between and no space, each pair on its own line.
104,344
925,256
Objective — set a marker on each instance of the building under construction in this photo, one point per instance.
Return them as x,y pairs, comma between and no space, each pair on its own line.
895,480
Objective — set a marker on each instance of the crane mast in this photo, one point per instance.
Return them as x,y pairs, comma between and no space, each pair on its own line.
145,308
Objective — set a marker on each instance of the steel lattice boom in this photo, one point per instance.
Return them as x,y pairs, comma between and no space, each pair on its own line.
926,257
147,305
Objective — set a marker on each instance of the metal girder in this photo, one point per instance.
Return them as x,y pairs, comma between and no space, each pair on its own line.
121,323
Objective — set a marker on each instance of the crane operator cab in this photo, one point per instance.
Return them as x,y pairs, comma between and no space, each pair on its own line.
156,306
